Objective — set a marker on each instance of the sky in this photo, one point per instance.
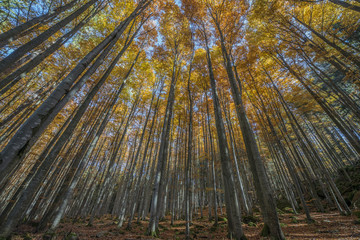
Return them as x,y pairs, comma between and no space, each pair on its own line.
178,2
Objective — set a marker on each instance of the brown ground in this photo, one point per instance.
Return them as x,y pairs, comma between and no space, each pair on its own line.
326,226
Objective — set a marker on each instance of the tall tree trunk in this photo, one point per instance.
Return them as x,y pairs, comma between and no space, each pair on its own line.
13,78
163,152
233,210
261,181
29,46
26,197
11,34
30,131
189,157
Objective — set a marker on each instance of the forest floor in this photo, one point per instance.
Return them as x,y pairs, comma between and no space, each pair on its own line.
326,226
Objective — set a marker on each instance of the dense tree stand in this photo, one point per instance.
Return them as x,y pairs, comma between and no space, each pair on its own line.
179,119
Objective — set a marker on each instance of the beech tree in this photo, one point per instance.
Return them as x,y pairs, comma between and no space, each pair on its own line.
180,111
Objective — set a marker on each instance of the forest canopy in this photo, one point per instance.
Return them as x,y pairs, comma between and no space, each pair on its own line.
143,109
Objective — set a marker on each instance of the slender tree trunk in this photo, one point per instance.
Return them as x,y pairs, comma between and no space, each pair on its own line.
163,152
262,184
232,204
11,34
13,78
27,47
30,131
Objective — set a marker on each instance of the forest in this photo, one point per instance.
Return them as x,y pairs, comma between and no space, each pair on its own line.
179,119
